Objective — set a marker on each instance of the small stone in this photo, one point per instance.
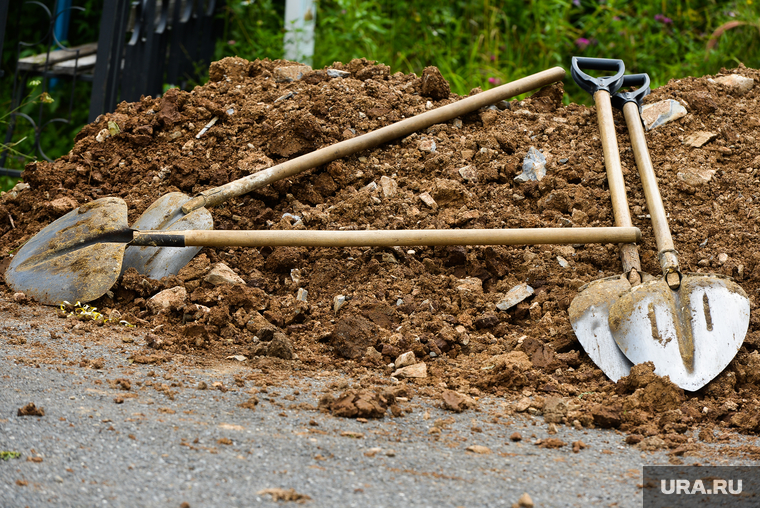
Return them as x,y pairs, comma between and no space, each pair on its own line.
405,360
699,138
172,299
552,429
390,453
738,84
373,354
523,405
418,370
577,425
188,145
534,167
525,501
722,257
514,296
281,347
335,73
427,145
31,410
662,112
651,443
697,177
222,274
469,174
302,295
389,186
338,302
62,205
562,262
479,449
426,198
290,73
578,446
455,401
516,436
19,297
102,135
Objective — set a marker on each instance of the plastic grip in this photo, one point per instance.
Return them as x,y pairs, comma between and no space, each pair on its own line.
641,81
592,85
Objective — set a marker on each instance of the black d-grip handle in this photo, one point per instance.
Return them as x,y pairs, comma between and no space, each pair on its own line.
592,85
641,81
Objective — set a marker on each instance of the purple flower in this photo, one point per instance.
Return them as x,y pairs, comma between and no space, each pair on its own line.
615,18
582,43
577,3
494,81
663,19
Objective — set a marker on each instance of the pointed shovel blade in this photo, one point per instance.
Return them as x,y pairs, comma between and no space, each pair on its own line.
166,214
690,335
76,258
589,313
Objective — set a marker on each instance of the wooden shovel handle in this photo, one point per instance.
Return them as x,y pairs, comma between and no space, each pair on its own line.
363,238
213,197
629,254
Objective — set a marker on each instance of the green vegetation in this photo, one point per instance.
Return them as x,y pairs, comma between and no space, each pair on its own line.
485,43
5,455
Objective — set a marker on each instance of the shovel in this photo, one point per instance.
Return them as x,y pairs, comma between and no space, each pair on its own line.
79,256
589,311
689,325
177,211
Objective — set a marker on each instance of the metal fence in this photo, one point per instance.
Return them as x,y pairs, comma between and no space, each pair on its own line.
143,45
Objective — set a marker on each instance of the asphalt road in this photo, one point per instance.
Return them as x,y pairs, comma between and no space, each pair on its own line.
168,443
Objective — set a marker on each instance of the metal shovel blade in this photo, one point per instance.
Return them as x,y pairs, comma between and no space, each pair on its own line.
691,334
166,214
72,258
589,313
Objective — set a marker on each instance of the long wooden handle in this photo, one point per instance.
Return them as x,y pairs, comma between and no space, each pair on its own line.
213,197
629,254
363,238
665,246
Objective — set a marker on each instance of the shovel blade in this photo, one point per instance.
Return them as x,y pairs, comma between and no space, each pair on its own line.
589,312
166,215
690,335
71,259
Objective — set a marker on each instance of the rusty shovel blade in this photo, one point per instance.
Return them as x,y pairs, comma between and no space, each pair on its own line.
690,334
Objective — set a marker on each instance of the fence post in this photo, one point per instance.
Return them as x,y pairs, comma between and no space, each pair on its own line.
300,18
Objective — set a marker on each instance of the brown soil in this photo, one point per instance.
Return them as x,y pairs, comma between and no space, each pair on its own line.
426,300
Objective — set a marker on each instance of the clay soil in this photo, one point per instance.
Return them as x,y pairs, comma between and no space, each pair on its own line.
438,302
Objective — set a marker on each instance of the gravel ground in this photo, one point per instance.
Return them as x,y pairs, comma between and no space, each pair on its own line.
183,446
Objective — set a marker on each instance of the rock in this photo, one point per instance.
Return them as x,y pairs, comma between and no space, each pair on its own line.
525,501
487,320
662,112
697,177
737,84
302,295
562,262
283,259
551,443
357,404
426,198
281,347
552,429
722,257
699,138
534,167
479,449
523,404
338,302
260,327
449,192
171,299
19,297
470,290
335,73
606,417
455,401
222,274
469,173
62,205
427,145
516,436
290,73
555,410
102,135
514,296
434,85
373,354
405,360
651,443
418,370
389,186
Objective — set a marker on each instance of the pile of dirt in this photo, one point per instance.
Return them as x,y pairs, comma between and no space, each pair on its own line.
364,307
